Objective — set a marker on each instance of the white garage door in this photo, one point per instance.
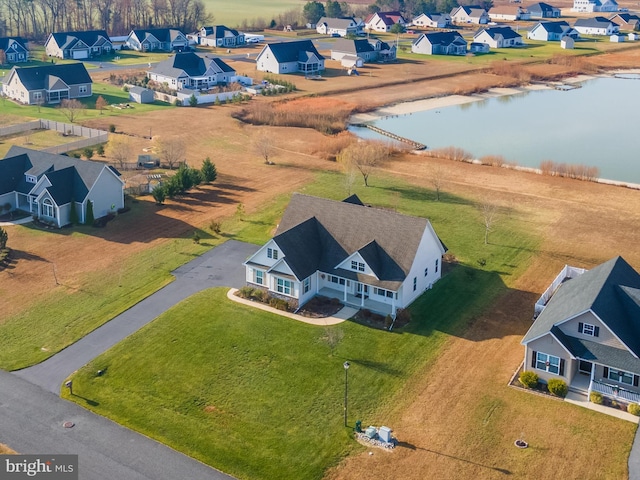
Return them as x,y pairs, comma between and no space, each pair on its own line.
80,54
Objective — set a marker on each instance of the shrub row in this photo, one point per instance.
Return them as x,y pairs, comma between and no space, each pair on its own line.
579,172
259,295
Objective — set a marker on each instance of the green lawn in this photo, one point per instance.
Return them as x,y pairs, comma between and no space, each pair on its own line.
233,13
260,396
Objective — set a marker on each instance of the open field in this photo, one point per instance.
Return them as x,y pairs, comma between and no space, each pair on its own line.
36,139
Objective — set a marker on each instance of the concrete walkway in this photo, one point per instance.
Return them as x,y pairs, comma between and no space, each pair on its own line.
22,221
31,422
583,401
219,267
344,314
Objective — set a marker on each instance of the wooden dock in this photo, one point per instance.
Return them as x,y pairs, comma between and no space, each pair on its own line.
398,138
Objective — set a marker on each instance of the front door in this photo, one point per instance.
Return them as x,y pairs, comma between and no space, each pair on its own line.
585,367
363,288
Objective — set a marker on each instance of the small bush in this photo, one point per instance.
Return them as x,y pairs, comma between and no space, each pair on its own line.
279,304
259,295
558,387
528,379
112,128
596,397
215,226
196,237
388,321
245,292
633,409
100,150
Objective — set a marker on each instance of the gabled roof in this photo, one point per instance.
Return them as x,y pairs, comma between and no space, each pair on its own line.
626,17
442,38
594,22
506,10
389,18
66,40
162,34
505,32
38,78
541,7
319,234
355,199
220,31
610,290
341,23
554,27
287,52
7,42
353,46
189,64
470,10
222,65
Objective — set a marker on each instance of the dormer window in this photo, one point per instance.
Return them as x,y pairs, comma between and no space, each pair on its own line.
357,266
31,179
272,253
588,329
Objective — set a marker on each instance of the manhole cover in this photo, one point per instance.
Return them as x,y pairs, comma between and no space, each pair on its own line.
68,424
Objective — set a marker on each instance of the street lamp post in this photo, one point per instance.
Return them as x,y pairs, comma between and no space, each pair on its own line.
346,389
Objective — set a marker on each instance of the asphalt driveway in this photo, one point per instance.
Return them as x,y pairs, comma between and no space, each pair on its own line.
219,267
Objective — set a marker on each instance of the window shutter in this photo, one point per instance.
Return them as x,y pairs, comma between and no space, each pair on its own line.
605,374
580,327
635,380
562,367
596,332
534,354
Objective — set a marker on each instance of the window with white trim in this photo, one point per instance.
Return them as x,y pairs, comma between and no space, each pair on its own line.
588,329
259,277
358,266
548,363
620,376
82,89
47,208
272,253
306,285
284,286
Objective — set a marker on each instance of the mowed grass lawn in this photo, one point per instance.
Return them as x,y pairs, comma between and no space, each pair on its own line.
260,396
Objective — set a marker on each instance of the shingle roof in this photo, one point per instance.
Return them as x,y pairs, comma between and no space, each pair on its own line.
540,7
594,22
600,353
318,234
611,290
5,42
352,46
65,40
442,38
220,31
162,34
555,27
222,65
343,22
189,63
505,32
37,78
287,52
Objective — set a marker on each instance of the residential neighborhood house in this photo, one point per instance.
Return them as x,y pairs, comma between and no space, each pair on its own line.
552,31
49,186
290,57
588,333
383,21
433,20
469,14
508,13
367,257
590,6
342,26
220,36
595,26
47,84
626,21
368,50
440,43
78,45
543,10
157,39
15,49
498,37
192,71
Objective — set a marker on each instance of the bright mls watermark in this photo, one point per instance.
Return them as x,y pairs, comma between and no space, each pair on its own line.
51,467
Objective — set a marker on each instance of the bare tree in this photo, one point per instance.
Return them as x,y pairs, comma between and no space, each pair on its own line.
119,149
265,148
489,212
171,150
101,104
437,177
71,108
363,156
3,57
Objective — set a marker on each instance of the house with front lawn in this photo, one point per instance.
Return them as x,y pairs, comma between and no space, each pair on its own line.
342,26
220,36
590,6
157,39
587,331
368,50
364,256
192,71
15,49
432,20
626,21
383,21
508,13
469,14
48,84
498,37
290,57
78,45
543,10
552,31
49,186
440,43
595,26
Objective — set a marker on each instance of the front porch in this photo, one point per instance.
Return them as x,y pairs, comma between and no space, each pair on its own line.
358,301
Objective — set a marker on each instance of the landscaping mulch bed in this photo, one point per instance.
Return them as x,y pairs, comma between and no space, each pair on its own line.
321,307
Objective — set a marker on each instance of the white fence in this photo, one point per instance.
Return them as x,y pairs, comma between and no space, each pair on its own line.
565,274
19,128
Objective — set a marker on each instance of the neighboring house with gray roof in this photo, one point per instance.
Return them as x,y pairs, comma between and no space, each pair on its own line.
78,45
221,36
498,37
366,257
469,14
595,26
433,20
383,21
552,31
591,6
626,21
15,49
49,186
157,39
543,10
368,50
342,26
47,84
192,71
440,43
290,57
588,333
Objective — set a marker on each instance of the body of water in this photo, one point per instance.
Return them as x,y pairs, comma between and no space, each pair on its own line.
596,125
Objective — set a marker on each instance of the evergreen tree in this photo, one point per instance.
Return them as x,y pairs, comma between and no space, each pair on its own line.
73,214
159,194
90,218
4,238
208,170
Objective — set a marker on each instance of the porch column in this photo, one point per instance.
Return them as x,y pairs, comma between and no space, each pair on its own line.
393,306
593,369
345,291
317,283
362,295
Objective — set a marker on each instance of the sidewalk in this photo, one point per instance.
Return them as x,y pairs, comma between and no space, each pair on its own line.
22,221
583,401
341,316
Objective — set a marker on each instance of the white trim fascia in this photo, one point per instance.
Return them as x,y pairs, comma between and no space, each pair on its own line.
262,248
612,333
98,178
554,325
282,260
562,345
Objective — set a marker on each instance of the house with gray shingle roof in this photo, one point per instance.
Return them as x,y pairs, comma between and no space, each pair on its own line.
220,36
588,333
290,57
49,186
595,26
383,21
364,256
469,14
543,10
47,84
591,6
440,43
498,37
368,50
342,26
434,20
78,45
192,71
626,21
157,39
552,31
15,49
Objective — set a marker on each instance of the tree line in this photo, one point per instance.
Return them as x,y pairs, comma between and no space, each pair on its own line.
36,19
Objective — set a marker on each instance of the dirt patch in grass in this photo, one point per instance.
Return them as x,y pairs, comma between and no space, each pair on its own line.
321,307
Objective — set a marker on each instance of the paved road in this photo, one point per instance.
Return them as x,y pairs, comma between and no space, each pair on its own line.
221,266
31,422
634,458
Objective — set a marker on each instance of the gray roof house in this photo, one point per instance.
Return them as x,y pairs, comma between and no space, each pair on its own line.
342,26
498,37
591,6
552,31
626,21
221,36
595,26
440,43
364,256
383,21
15,49
588,332
290,57
192,71
78,45
162,39
368,50
47,84
469,14
543,10
49,185
434,20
